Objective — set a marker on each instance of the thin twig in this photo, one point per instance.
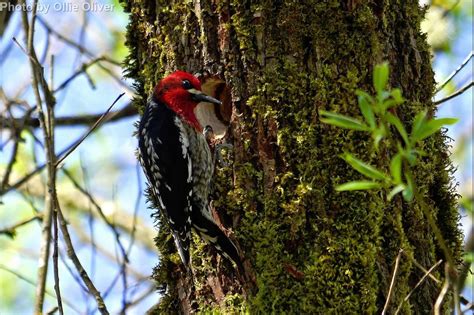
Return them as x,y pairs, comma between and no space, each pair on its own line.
20,276
101,213
52,310
51,158
81,70
57,288
91,129
44,55
11,162
23,180
90,218
417,264
10,231
17,135
104,251
417,285
24,51
469,307
455,72
138,299
28,28
73,273
28,176
85,51
75,260
114,230
72,43
457,93
462,299
440,298
392,283
82,34
125,112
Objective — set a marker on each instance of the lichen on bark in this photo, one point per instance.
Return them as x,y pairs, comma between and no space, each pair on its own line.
309,248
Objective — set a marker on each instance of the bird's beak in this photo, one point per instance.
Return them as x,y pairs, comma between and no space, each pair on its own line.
199,96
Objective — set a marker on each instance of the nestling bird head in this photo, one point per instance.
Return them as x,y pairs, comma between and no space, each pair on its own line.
181,92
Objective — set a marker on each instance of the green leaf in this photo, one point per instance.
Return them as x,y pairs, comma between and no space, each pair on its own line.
408,192
381,72
358,185
394,120
386,104
430,127
369,98
396,168
411,157
397,189
343,121
378,134
363,168
418,123
397,96
366,109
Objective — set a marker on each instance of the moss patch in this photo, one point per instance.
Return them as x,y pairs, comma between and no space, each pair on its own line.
311,249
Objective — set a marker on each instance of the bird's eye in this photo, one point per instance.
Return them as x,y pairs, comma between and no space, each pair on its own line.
187,85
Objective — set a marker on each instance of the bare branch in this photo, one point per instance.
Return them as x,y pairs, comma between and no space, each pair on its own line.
138,299
455,72
38,80
20,276
74,147
81,70
457,93
11,162
469,307
72,43
27,177
75,260
125,112
105,252
418,284
11,230
417,264
392,283
101,213
440,298
85,51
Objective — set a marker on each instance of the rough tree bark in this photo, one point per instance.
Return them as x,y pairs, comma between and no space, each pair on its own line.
308,248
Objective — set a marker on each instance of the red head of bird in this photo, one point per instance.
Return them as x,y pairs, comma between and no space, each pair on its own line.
181,92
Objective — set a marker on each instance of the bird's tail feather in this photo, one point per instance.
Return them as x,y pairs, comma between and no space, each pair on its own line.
212,234
183,248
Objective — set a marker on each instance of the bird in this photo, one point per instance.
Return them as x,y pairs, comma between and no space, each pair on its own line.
177,162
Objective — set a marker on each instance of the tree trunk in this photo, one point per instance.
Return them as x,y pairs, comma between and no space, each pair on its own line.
307,248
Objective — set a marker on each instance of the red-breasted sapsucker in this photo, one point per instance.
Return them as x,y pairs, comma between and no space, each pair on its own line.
177,162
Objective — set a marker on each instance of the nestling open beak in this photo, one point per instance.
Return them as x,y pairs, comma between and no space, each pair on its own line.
199,96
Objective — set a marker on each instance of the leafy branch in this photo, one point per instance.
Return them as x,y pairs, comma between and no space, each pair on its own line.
379,121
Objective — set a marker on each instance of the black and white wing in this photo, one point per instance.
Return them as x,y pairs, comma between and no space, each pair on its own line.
164,155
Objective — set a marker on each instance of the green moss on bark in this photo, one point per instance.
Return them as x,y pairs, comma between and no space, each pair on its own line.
311,249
